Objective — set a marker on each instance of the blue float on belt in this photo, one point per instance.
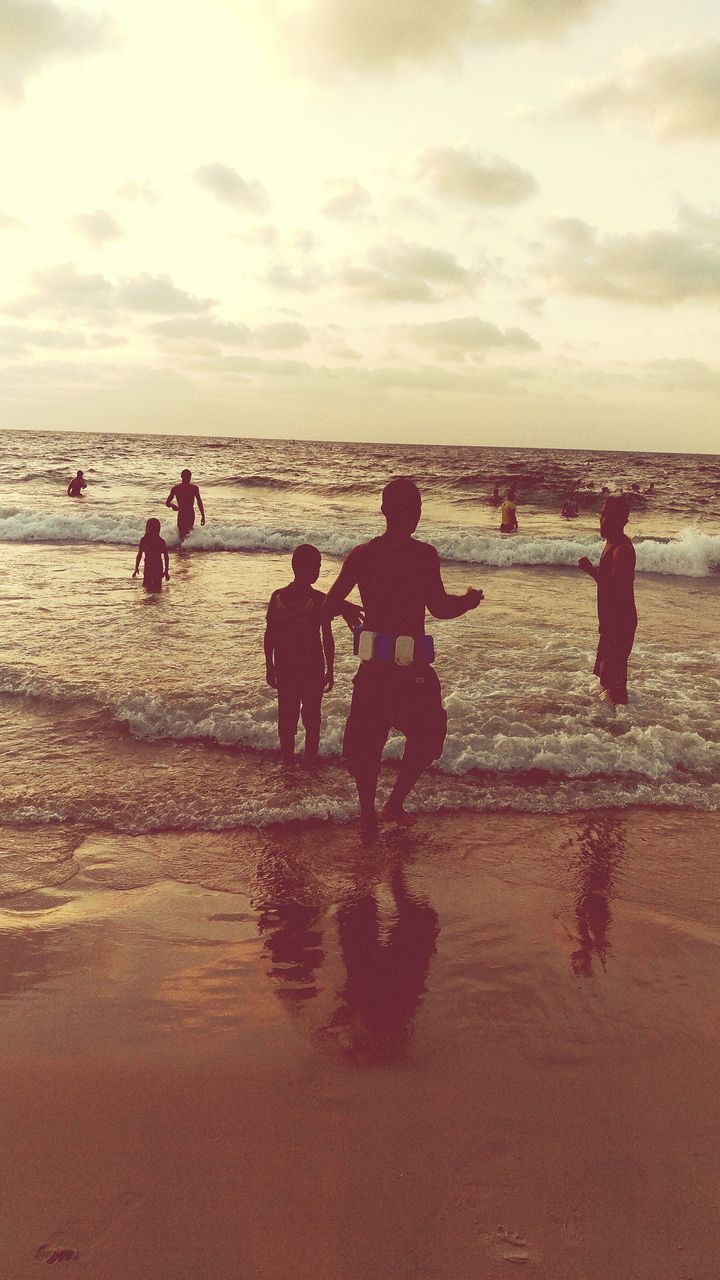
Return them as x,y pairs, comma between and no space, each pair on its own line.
381,646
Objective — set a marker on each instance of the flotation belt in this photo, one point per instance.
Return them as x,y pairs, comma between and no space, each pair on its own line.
380,646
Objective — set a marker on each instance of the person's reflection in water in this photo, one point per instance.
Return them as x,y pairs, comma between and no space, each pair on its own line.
385,977
598,849
289,921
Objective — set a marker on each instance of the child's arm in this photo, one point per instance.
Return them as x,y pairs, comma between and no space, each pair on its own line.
269,647
166,558
138,558
329,649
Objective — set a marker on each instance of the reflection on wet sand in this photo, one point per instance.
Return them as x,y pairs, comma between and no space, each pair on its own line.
598,850
385,965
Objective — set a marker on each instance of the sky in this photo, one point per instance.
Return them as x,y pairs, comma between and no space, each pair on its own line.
473,222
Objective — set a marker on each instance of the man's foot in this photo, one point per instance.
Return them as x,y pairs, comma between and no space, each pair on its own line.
395,813
368,828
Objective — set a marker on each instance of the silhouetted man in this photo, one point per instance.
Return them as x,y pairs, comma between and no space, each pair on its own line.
76,486
182,498
617,616
395,686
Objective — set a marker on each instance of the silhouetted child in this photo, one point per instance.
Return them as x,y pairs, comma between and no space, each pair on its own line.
76,486
157,561
299,653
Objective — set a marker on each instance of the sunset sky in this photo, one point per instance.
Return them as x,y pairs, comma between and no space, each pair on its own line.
471,221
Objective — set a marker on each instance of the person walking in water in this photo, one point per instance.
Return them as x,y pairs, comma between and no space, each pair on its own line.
182,498
299,653
157,561
617,615
508,513
76,486
395,686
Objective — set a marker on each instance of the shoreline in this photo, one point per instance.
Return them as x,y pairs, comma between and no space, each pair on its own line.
484,1044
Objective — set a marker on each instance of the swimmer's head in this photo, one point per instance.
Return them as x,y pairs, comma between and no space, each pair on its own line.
614,515
306,561
402,505
152,528
80,474
186,475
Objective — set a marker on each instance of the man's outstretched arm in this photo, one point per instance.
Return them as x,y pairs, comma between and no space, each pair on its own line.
441,603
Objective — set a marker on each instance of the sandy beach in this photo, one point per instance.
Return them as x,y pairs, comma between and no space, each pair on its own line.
486,1045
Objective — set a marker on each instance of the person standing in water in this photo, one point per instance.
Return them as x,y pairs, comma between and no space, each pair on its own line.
76,486
182,498
299,653
395,686
617,615
157,561
508,514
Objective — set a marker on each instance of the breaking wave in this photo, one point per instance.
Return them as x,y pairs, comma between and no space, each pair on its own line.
692,553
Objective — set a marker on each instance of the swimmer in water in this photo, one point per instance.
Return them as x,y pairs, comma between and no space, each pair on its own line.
157,561
76,486
182,498
508,515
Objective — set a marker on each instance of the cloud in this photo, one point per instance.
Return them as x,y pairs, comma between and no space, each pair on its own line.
374,35
138,193
462,174
97,228
8,222
683,375
466,337
303,279
655,268
65,288
281,335
158,293
347,199
676,93
405,272
36,33
225,332
15,339
261,233
227,186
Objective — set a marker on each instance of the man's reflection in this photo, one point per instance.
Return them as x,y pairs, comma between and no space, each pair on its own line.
385,976
598,850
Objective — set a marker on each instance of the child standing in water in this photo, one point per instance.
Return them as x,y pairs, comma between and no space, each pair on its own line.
299,653
157,561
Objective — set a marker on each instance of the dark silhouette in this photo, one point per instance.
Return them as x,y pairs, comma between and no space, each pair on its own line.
508,514
495,498
395,685
570,509
182,498
598,849
299,653
385,977
617,616
76,486
157,561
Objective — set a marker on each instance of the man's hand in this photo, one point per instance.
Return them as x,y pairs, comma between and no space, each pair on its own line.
270,677
329,681
173,506
166,575
586,565
473,596
353,614
135,574
202,519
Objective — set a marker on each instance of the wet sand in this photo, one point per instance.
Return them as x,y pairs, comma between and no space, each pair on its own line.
487,1046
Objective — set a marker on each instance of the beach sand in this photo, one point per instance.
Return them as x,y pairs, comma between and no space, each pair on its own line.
485,1046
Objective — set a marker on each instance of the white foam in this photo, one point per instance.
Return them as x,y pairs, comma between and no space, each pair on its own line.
693,553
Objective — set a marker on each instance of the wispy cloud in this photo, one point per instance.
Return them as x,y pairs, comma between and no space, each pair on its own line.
37,33
230,188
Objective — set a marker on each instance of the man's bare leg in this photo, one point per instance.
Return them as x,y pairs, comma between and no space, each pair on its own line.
394,808
367,790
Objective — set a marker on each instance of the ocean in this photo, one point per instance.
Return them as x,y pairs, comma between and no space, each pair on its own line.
125,712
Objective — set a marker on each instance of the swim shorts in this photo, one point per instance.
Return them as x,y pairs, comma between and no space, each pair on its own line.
387,697
611,663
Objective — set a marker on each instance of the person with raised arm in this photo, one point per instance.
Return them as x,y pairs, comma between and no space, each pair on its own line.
182,498
617,615
398,578
76,486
